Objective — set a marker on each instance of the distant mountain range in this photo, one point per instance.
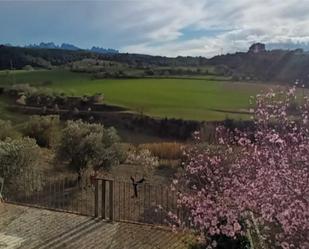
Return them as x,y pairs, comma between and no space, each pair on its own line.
67,46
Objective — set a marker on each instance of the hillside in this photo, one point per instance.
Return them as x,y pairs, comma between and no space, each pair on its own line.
24,56
16,57
275,65
281,66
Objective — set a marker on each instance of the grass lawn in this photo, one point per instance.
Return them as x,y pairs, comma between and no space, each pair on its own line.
195,99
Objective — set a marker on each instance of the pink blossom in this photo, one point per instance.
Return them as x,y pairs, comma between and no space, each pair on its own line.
265,171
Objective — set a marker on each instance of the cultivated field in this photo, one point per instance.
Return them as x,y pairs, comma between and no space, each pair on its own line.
194,99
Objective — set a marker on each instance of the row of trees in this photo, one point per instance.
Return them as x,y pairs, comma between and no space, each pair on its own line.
42,96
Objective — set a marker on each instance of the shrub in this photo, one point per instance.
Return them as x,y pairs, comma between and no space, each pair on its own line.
31,95
97,98
47,92
17,161
22,100
21,89
43,96
7,130
144,158
28,68
87,145
167,150
110,136
44,129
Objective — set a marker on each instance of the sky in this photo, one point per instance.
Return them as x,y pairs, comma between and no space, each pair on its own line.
158,27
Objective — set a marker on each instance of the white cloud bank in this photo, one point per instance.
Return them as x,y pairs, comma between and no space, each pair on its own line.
159,27
245,22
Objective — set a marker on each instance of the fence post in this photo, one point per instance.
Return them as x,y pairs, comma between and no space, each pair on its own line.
111,200
103,210
96,199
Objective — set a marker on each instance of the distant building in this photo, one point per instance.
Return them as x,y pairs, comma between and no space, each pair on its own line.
257,48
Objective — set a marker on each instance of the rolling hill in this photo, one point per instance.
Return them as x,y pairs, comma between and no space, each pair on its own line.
280,66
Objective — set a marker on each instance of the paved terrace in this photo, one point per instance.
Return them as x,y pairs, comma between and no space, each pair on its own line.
24,227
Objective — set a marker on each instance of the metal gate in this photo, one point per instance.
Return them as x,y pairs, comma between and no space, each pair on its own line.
117,201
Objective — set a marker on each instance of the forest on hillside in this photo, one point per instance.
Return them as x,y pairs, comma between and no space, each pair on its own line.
280,66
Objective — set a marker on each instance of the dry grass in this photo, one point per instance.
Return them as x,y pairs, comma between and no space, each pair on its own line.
165,150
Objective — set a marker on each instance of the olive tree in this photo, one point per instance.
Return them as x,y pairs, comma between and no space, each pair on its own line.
17,163
44,129
86,145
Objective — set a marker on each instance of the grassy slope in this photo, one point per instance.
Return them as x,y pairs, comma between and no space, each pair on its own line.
179,98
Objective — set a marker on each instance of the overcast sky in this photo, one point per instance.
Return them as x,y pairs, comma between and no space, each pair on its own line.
160,27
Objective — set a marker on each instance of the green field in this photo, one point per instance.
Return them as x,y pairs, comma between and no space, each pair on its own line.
194,99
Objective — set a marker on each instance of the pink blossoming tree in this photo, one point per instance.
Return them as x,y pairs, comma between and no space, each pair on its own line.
263,172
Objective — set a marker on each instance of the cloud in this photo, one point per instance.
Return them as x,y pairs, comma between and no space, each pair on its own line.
178,27
245,22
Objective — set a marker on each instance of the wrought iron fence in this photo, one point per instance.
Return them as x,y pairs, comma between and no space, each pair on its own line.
67,194
107,199
104,198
